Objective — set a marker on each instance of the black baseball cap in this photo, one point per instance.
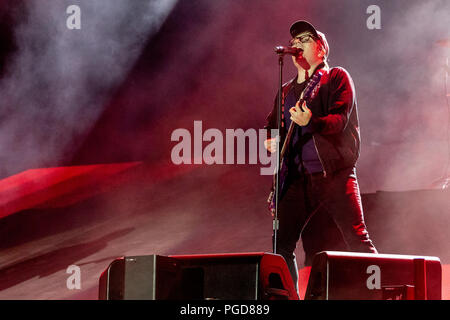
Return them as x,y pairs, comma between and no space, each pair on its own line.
302,26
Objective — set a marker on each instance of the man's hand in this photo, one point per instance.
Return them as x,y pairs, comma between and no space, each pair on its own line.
300,117
271,145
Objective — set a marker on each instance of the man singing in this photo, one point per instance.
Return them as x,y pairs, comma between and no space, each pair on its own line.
323,149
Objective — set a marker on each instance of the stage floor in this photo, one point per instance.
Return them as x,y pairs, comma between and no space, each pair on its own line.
88,220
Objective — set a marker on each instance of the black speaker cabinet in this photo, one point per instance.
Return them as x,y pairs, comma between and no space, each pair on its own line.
140,278
363,276
232,276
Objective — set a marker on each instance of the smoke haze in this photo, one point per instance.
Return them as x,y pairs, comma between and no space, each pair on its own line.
57,82
116,89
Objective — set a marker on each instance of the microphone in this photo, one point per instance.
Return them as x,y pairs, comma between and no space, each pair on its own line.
288,50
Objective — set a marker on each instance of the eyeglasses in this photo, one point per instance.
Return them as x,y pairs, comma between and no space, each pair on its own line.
303,39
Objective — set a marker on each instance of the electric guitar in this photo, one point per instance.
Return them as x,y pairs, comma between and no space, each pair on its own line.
308,94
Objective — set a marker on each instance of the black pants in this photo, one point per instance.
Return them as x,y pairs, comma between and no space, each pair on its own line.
306,194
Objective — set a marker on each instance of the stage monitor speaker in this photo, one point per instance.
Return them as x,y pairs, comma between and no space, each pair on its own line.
140,278
232,276
364,276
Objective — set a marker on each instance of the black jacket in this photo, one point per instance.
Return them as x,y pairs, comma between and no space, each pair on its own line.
334,120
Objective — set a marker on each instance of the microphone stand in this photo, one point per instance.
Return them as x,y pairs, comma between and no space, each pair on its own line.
278,138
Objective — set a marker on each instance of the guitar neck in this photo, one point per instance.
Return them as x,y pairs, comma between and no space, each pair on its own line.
289,134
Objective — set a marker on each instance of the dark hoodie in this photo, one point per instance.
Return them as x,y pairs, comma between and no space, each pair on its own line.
334,125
